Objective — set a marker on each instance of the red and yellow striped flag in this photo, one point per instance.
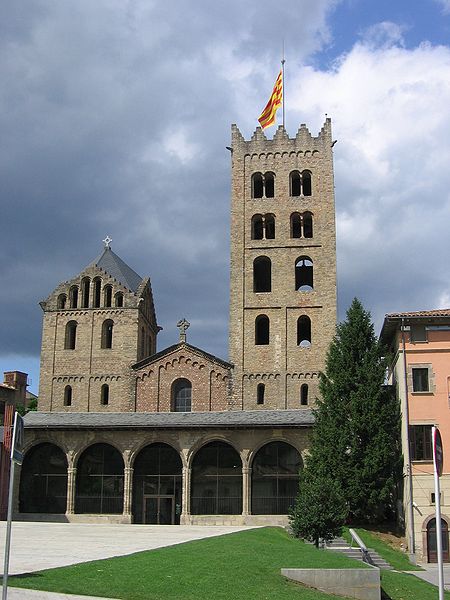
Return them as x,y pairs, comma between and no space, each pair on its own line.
267,117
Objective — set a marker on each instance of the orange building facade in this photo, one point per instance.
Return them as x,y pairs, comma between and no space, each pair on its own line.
420,370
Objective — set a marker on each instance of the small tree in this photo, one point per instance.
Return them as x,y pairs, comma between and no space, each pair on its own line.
356,438
320,509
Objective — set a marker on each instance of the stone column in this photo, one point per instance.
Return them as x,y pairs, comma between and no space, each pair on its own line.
186,496
127,491
71,480
246,490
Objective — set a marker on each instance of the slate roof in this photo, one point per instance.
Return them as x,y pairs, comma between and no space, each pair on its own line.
155,357
170,420
114,266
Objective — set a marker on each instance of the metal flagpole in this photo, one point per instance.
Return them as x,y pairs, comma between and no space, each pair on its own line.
282,70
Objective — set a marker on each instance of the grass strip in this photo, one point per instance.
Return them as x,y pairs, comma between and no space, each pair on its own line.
239,566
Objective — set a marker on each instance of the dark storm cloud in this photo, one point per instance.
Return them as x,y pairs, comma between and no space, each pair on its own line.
114,120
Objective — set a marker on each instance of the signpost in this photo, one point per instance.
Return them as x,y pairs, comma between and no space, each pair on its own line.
438,463
16,457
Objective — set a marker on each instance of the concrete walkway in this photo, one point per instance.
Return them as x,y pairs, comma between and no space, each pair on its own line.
37,546
430,574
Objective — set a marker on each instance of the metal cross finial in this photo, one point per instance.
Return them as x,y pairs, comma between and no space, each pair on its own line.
107,241
182,326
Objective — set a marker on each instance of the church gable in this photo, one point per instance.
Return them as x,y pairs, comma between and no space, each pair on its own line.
182,378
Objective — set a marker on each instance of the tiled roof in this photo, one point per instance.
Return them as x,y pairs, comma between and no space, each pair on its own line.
114,266
169,420
154,357
440,312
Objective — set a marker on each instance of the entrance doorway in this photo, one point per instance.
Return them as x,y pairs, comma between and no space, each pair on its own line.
158,510
432,541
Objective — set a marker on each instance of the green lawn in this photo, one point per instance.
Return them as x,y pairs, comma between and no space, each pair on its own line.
240,566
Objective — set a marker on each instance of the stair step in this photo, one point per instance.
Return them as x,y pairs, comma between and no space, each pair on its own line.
339,545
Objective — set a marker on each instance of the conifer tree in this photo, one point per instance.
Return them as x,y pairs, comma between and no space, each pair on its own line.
356,438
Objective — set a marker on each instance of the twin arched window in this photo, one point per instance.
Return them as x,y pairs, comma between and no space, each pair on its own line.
182,395
263,185
302,225
300,183
263,227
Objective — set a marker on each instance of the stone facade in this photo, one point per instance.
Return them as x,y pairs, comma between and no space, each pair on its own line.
232,434
282,365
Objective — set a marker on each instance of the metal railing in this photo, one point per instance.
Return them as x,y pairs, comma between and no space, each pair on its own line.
364,551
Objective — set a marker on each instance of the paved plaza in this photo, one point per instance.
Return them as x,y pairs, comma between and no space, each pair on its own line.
37,546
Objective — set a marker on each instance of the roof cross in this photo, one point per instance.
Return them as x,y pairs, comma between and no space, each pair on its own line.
107,241
182,326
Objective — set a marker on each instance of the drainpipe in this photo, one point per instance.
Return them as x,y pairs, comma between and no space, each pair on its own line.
411,543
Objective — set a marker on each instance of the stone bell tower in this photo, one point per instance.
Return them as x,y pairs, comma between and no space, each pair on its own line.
283,266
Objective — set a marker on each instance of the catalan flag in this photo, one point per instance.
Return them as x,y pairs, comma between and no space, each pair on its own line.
267,117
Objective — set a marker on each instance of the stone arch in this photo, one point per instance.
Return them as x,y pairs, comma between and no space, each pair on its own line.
100,480
216,480
425,536
43,479
157,484
275,476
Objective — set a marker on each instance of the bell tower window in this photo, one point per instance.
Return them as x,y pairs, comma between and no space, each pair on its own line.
71,335
262,274
107,333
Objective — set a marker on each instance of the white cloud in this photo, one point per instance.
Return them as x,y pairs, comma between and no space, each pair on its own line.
390,114
445,5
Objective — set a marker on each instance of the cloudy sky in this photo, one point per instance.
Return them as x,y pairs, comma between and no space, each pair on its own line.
115,115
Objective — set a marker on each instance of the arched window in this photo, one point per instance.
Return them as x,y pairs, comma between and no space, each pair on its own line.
304,394
296,225
269,226
85,289
61,303
307,225
263,186
73,296
71,335
295,183
97,291
262,274
257,185
104,395
107,296
157,485
68,395
181,395
304,331
257,227
275,471
306,183
262,327
99,484
260,390
107,333
216,487
303,274
43,480
119,299
269,185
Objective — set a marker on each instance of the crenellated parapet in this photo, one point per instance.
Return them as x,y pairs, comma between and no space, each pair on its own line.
281,142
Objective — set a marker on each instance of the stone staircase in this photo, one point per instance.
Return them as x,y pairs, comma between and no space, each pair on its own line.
342,546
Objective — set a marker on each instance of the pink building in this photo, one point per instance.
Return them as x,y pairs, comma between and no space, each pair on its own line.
420,370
